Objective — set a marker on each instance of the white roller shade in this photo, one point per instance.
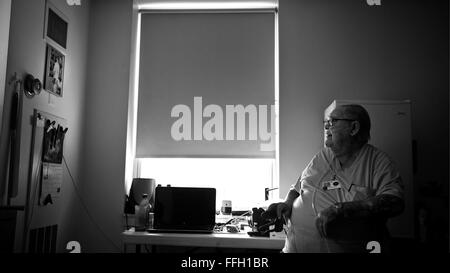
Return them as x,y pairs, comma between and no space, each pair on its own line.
208,64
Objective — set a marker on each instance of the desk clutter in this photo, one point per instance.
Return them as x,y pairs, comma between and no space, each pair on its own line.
233,223
255,223
193,210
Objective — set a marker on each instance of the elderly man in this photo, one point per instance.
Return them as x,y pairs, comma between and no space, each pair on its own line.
346,193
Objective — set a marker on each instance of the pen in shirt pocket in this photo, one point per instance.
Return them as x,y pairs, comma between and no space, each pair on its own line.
350,188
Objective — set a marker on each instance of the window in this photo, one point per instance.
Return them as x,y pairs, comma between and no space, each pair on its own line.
204,105
240,180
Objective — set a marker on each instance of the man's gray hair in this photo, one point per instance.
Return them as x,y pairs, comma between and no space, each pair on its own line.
359,113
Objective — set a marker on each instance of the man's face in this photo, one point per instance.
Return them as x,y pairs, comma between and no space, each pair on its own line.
337,134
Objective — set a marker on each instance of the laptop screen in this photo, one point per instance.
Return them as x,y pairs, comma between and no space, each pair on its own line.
183,208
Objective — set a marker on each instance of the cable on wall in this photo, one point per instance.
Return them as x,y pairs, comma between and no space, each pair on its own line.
87,210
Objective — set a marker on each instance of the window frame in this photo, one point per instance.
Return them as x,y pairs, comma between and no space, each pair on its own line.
132,164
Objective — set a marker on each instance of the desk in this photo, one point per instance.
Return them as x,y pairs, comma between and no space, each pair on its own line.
221,240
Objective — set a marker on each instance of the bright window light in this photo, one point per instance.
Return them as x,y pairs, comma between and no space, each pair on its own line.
206,5
240,180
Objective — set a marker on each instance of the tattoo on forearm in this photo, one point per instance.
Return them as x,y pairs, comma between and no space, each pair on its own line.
381,206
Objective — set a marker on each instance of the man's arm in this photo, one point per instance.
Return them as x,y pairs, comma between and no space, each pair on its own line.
282,210
381,206
290,198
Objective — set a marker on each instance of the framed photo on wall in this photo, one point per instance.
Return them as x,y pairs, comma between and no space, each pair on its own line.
56,27
54,71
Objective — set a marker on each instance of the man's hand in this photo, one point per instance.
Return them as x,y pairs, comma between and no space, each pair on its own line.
325,218
278,210
282,210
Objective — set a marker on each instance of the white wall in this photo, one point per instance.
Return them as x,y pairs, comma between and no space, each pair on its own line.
105,127
349,50
5,15
27,50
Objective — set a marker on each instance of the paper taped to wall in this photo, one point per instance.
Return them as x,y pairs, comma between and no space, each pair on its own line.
52,176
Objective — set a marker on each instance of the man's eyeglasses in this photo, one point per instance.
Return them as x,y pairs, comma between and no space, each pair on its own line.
332,121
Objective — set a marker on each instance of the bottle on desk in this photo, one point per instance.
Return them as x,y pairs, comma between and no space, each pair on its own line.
142,214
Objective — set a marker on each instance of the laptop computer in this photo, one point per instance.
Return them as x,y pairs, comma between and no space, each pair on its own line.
184,210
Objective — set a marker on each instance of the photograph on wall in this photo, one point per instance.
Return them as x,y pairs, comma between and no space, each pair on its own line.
53,142
54,71
56,27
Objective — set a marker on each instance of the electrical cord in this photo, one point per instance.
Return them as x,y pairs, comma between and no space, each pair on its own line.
146,249
219,227
86,209
35,179
237,217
